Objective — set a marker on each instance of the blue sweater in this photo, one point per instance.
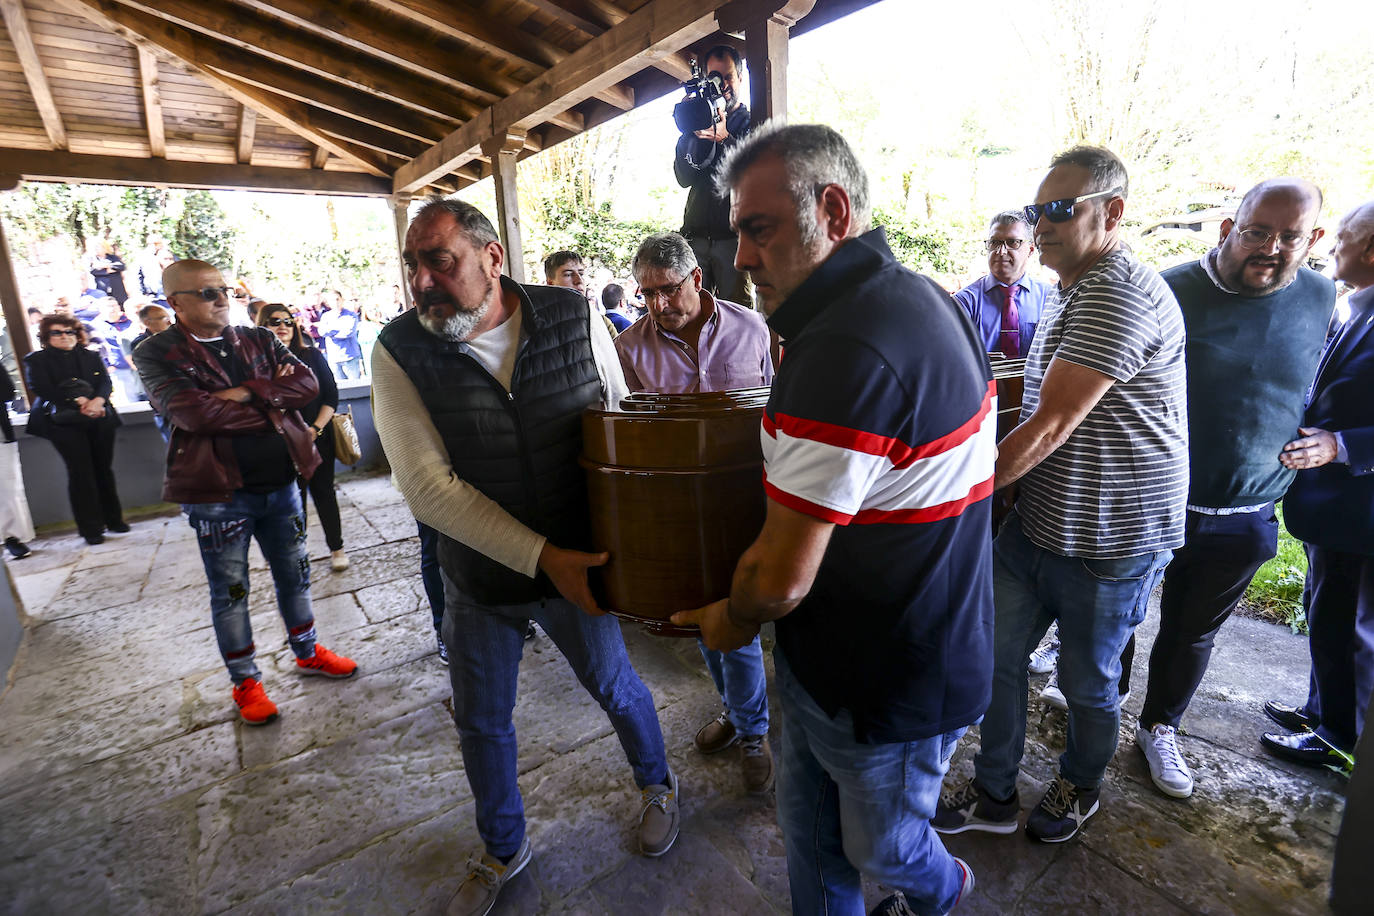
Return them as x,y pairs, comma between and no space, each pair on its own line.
1250,361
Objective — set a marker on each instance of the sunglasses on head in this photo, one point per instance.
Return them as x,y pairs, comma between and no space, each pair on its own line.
282,322
1061,211
208,293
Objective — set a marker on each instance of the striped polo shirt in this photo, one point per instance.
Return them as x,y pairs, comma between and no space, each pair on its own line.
882,419
1117,487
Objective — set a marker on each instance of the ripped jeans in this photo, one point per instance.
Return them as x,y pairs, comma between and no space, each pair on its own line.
224,531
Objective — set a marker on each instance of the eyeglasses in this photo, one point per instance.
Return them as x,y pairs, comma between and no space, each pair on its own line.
209,293
1061,211
664,292
282,322
1009,244
1259,238
58,332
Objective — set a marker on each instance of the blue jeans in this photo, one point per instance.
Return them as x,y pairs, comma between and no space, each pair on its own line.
430,576
349,368
1098,604
741,684
224,531
847,808
484,647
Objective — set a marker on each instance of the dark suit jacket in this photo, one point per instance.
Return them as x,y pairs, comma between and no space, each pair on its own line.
1333,506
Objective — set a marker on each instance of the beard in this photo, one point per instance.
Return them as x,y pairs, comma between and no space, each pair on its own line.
456,327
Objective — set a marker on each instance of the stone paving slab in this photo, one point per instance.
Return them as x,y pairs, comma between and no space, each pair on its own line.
128,785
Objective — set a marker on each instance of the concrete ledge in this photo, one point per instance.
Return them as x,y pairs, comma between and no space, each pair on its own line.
140,457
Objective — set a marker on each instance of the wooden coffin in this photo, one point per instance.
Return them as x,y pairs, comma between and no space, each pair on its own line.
1010,377
675,485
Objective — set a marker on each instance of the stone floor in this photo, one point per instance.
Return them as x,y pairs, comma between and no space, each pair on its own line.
128,786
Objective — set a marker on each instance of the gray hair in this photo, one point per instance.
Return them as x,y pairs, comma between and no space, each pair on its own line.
1105,167
473,222
814,156
667,251
1012,218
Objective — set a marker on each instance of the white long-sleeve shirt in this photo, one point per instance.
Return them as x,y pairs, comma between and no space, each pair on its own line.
419,462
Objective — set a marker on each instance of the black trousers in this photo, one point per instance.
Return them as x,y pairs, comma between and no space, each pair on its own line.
321,489
1352,885
1339,599
1205,580
88,453
716,257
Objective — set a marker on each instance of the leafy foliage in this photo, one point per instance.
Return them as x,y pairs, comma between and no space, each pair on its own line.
203,232
921,248
1276,592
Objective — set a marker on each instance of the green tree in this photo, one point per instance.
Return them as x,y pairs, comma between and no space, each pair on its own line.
203,232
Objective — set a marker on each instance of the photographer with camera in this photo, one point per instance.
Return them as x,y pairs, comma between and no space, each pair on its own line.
712,119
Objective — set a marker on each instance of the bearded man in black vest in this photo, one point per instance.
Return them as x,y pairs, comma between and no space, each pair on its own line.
478,394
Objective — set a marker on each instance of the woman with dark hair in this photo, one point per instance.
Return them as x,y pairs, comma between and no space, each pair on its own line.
71,410
318,414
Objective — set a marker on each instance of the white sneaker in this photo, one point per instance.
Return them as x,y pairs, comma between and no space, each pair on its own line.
1046,655
338,561
1168,769
1052,694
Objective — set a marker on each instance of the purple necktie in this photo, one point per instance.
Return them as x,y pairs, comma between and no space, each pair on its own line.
1009,341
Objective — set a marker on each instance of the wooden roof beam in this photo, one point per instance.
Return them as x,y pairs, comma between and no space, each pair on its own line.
319,157
17,23
594,18
182,48
656,29
501,39
47,165
261,37
247,132
152,103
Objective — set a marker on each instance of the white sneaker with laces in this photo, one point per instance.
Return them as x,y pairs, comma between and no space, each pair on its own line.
1168,770
1052,694
1045,656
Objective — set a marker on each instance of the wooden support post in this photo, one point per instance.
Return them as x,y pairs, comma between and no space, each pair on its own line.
400,213
16,320
766,25
502,150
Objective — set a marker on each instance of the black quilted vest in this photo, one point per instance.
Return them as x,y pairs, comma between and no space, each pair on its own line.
520,449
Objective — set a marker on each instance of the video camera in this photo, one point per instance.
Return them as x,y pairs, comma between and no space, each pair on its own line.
704,104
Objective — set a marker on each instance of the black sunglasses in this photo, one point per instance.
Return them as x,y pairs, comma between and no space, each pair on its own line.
1061,211
56,332
208,293
282,322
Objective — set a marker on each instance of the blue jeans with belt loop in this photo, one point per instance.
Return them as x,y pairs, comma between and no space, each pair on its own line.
847,809
1098,604
224,531
742,685
485,644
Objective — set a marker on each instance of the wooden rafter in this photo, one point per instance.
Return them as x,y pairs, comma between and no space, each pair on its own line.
594,17
501,39
247,132
183,48
656,29
17,23
319,157
152,103
49,165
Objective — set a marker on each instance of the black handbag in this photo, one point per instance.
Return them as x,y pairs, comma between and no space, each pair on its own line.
66,412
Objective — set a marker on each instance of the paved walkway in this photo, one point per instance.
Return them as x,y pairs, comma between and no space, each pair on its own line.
128,786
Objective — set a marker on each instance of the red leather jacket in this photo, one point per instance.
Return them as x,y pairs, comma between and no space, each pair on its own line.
181,374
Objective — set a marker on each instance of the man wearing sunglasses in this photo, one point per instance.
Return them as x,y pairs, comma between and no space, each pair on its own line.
694,341
237,444
1005,304
1101,456
1256,319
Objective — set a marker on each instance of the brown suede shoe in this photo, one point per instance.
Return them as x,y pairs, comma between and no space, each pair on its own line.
716,735
756,757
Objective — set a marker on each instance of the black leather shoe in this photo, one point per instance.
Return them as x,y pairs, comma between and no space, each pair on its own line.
1305,748
1293,718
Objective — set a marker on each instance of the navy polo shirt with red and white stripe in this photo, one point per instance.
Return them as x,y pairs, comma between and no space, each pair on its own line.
882,419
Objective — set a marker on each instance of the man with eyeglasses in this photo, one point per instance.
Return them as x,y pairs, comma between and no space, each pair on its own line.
1005,305
1255,319
231,395
694,341
1101,458
1330,508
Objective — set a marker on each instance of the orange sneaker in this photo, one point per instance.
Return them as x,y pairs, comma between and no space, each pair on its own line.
327,663
254,707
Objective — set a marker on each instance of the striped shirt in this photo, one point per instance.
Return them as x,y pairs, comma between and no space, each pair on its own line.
1117,487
